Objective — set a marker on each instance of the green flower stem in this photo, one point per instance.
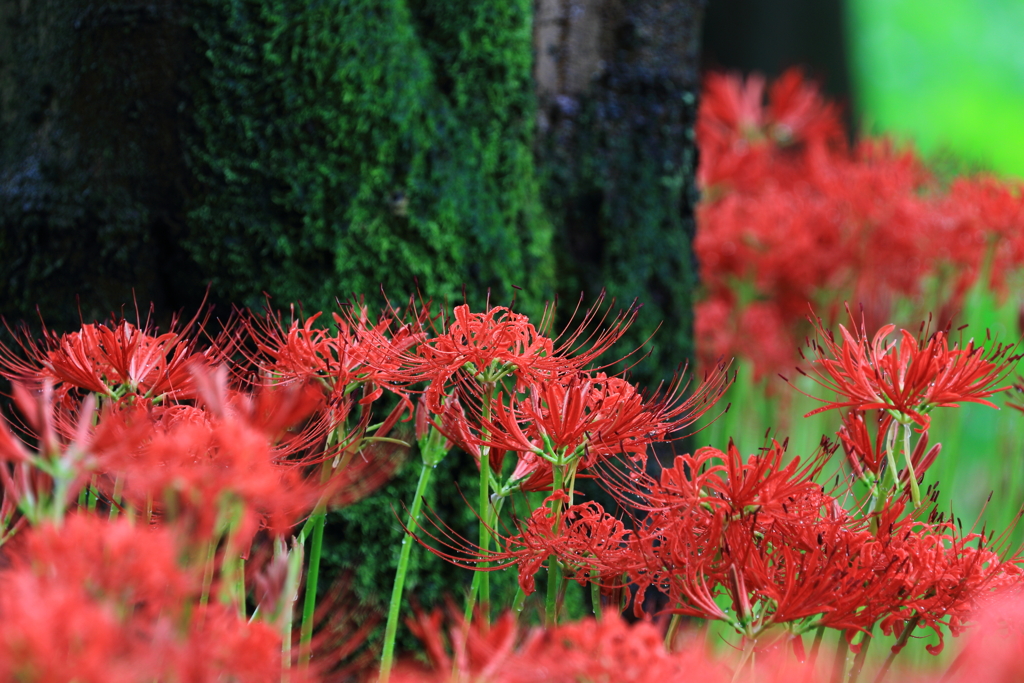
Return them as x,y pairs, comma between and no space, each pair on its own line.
286,608
486,522
240,586
211,551
93,494
554,570
312,579
118,489
670,633
897,648
858,661
915,491
518,601
595,597
391,629
839,663
813,656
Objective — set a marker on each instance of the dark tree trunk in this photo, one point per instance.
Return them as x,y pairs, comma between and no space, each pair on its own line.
618,83
91,165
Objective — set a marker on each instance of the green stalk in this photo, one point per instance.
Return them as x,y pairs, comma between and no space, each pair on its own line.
813,656
595,597
748,652
518,601
839,664
118,488
915,491
897,648
554,571
858,661
312,579
391,629
288,595
486,524
211,551
240,585
93,494
670,633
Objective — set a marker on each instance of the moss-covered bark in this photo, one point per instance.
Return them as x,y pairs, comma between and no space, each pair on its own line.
345,146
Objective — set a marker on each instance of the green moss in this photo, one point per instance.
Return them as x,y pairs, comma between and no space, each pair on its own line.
345,146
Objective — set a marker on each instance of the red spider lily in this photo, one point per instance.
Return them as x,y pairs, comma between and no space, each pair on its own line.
741,137
356,354
995,648
585,539
982,219
492,345
909,378
110,359
108,601
187,464
40,481
577,419
480,649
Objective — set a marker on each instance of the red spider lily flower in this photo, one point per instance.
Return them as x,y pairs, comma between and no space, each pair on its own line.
743,139
995,648
108,601
909,378
492,345
191,465
577,419
110,359
44,478
356,354
480,649
586,540
799,114
982,217
936,579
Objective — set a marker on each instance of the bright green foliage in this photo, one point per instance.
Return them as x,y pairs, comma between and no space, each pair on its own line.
342,147
946,74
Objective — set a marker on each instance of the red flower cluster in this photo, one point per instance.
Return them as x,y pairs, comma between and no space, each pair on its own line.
792,214
96,601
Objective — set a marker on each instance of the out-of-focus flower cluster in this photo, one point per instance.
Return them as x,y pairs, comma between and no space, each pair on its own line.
793,213
610,649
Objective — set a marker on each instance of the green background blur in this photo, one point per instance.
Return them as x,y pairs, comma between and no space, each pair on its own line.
947,74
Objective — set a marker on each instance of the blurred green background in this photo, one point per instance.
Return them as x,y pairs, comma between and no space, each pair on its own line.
947,74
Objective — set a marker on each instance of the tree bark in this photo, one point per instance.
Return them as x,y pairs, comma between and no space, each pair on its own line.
618,83
91,163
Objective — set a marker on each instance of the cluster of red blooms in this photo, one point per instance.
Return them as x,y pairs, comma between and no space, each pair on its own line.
792,213
758,542
152,488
